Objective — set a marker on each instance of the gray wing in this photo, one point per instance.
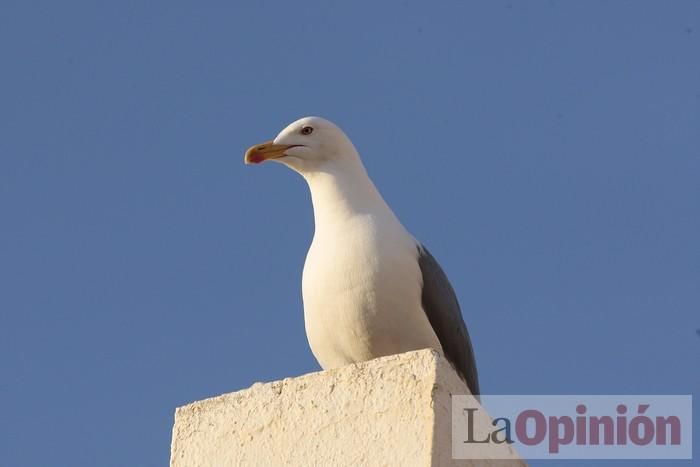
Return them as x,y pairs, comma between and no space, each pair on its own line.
441,306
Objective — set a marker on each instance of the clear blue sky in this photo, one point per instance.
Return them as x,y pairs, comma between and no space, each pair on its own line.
547,152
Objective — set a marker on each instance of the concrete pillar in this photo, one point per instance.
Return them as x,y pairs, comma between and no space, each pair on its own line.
392,411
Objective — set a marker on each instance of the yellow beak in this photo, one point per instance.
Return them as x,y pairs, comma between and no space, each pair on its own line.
265,151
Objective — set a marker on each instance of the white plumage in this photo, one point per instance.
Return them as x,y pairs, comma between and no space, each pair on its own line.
364,281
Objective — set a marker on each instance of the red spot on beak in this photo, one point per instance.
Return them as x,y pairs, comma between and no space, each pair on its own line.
256,158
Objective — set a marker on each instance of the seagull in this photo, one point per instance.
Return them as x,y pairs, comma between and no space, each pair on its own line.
369,288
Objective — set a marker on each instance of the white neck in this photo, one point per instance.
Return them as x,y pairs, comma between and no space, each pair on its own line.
344,190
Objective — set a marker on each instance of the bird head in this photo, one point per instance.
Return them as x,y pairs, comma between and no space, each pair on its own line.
305,146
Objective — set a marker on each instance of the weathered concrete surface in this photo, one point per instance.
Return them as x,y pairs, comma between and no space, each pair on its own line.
392,411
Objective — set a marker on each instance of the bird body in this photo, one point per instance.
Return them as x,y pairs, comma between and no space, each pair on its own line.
360,266
369,288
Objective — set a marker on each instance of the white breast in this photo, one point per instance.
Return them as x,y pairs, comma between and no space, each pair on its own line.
362,291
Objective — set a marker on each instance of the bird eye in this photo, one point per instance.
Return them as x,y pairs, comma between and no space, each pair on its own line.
307,130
